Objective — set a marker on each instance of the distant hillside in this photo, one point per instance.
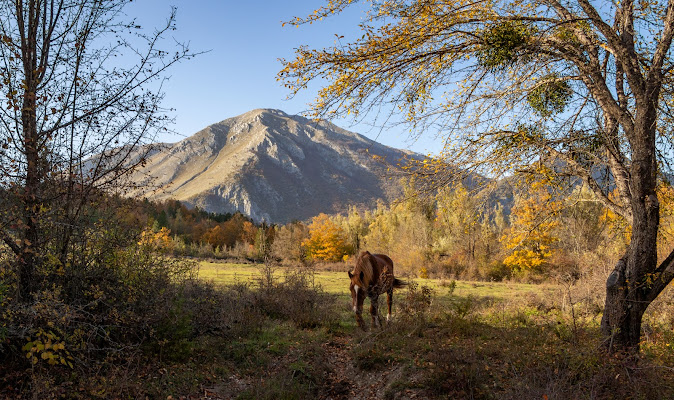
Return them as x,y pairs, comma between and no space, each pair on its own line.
272,167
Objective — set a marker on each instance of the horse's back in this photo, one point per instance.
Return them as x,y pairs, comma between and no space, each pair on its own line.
385,261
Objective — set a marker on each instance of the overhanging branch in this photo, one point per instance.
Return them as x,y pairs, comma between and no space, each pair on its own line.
582,173
9,241
663,275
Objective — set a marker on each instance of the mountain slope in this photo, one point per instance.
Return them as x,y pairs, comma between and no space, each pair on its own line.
272,167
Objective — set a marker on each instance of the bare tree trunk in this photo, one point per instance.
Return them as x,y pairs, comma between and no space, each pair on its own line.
623,311
31,196
629,288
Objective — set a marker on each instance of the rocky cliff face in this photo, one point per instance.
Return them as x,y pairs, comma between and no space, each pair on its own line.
272,167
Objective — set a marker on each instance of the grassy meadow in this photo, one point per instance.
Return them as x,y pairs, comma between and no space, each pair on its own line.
245,331
337,282
448,339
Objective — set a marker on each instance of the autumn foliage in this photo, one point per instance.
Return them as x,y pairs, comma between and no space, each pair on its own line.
327,241
531,237
158,240
582,87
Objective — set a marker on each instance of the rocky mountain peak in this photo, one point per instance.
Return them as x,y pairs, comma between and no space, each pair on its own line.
271,166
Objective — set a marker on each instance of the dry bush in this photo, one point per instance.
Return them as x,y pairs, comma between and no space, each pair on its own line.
115,303
331,266
296,298
446,268
143,308
588,291
497,271
411,260
228,312
415,302
105,308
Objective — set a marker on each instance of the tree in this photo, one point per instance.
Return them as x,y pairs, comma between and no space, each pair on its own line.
234,229
160,240
264,239
586,227
216,236
326,241
531,236
288,239
81,91
458,217
402,231
583,88
355,227
248,233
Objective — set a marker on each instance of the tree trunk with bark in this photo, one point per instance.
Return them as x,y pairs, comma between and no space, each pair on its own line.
631,287
28,21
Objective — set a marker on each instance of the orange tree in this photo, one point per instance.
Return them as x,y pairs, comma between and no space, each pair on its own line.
531,238
160,239
583,85
327,241
216,236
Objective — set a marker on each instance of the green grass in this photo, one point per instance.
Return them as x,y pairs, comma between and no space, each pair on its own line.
481,340
337,282
496,290
227,273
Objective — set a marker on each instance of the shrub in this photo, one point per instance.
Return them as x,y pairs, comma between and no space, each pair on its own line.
498,271
109,299
416,302
296,298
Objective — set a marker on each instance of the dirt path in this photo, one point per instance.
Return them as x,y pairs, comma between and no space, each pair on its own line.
343,380
346,381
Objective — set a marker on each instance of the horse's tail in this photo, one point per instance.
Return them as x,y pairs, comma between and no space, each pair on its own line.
397,283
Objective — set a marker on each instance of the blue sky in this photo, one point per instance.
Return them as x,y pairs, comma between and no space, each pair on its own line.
244,40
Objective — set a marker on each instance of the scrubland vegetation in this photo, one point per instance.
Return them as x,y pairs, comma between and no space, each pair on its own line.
502,304
272,331
145,313
481,319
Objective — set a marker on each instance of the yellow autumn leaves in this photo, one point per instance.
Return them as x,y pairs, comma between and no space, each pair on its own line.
530,238
47,347
159,240
327,241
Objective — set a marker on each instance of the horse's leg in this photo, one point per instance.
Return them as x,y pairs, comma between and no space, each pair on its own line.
359,319
389,302
359,314
374,304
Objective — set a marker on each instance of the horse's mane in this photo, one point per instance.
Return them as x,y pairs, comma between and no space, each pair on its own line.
364,265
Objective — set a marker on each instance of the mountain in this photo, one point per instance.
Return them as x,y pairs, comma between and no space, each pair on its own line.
273,167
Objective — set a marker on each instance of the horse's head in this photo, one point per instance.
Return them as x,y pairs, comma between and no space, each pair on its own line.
360,281
358,290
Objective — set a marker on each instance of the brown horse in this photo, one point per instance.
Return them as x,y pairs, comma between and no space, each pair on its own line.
372,276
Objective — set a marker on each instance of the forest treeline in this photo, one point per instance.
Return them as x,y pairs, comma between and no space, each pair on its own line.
455,233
